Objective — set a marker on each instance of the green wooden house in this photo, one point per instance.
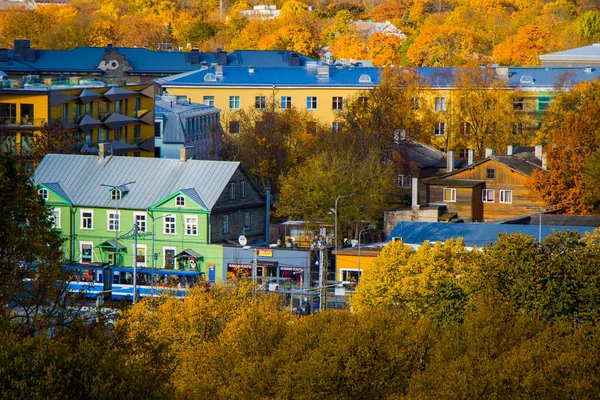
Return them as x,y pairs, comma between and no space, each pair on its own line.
174,204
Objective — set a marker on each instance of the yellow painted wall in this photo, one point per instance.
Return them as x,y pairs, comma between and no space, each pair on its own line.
348,260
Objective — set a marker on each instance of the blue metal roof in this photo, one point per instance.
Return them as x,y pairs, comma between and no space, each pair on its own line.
145,61
530,78
415,233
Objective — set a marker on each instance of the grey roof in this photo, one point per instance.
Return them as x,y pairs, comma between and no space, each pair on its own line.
173,112
421,154
591,51
81,177
57,188
523,164
453,182
415,233
563,220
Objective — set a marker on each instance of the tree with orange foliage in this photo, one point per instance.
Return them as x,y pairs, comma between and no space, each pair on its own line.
389,10
442,46
347,47
570,133
522,48
384,49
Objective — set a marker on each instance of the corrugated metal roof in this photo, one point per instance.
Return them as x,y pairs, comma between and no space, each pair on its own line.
421,154
415,233
591,51
81,177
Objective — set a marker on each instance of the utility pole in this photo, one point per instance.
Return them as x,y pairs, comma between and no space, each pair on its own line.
254,272
323,272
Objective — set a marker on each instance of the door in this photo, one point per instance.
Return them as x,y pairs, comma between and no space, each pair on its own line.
211,273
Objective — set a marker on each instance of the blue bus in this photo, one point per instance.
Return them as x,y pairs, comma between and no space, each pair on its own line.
88,280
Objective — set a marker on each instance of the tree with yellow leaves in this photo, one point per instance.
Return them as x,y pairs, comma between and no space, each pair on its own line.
523,48
442,46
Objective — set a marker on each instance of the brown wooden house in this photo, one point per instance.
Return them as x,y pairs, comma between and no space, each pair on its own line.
491,189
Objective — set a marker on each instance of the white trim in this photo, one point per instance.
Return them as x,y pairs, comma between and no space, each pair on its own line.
500,196
164,255
486,199
145,248
185,218
85,210
165,220
452,195
56,217
118,218
81,244
145,215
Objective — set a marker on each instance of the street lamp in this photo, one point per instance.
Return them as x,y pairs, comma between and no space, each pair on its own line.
120,188
369,228
335,222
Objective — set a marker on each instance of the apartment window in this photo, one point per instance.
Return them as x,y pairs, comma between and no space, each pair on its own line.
505,196
86,252
191,225
55,217
351,275
65,112
102,135
180,201
404,181
137,133
247,221
158,128
260,102
209,101
440,104
169,225
234,102
465,128
225,223
231,190
517,128
335,127
363,100
519,103
140,220
243,189
87,219
450,195
311,103
137,105
488,195
543,103
27,114
337,103
416,103
113,220
491,173
286,102
234,126
43,194
116,194
440,129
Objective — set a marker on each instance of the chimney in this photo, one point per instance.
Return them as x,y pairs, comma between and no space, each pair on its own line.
489,152
21,46
509,150
30,55
470,157
450,161
108,49
186,153
195,56
538,151
415,193
105,150
221,57
544,165
294,60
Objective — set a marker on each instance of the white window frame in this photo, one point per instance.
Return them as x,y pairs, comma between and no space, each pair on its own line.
440,129
170,224
116,194
502,196
81,219
231,191
312,102
116,221
43,193
349,271
191,225
180,201
142,227
243,189
440,104
487,195
225,224
81,244
209,101
452,196
135,254
234,102
56,215
286,102
404,181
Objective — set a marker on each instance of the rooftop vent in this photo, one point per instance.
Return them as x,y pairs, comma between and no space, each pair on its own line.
221,57
108,49
588,70
503,72
311,65
21,46
219,71
323,72
251,70
3,55
364,78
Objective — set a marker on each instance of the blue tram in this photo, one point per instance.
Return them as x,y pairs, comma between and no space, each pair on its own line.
89,280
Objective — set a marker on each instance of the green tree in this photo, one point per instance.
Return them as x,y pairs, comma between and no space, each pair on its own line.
588,26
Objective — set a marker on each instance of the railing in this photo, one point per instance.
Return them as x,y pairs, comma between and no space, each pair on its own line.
23,121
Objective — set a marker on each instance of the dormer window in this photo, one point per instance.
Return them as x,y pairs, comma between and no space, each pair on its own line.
116,194
180,201
43,194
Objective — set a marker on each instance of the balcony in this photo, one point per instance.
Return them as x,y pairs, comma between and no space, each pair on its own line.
14,122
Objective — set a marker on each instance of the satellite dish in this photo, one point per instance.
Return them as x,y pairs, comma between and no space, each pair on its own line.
242,240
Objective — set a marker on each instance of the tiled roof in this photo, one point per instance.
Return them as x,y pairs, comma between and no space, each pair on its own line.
81,177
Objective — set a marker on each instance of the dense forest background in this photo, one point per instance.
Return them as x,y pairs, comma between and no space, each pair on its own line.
436,32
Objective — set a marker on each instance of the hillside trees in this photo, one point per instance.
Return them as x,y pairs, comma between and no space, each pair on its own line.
570,134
